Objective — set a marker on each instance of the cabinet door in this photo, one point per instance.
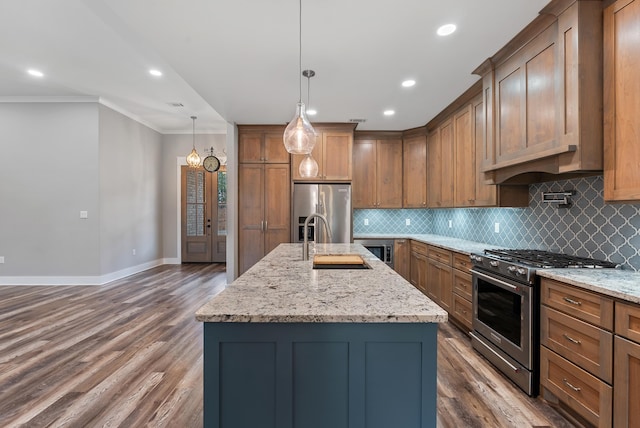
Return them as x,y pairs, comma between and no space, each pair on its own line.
485,194
626,383
621,107
277,217
364,174
401,257
250,147
337,150
465,158
274,150
250,215
418,268
389,173
414,174
440,171
433,281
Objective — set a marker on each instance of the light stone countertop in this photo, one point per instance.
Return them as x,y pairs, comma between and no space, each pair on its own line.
623,284
619,283
282,288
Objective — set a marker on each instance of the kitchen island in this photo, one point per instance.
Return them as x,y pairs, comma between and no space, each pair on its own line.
286,345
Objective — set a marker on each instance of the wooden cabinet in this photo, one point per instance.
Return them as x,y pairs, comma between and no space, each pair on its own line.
627,365
263,210
543,96
576,356
401,258
418,266
462,291
414,172
440,277
440,173
261,144
333,152
377,173
621,108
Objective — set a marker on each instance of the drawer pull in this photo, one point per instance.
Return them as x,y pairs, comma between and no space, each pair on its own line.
573,302
575,388
571,339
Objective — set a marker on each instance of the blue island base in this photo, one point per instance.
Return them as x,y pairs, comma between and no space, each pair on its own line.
320,375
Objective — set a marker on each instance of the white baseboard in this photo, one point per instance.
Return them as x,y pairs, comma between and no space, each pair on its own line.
82,280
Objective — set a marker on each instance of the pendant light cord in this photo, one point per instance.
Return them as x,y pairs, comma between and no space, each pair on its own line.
193,119
300,54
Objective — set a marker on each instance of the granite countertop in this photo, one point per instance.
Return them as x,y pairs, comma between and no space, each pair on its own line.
619,283
282,288
454,244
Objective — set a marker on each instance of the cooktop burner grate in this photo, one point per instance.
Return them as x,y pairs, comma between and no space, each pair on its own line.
546,259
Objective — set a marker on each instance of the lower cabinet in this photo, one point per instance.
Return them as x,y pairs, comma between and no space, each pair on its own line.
626,395
462,290
418,266
401,258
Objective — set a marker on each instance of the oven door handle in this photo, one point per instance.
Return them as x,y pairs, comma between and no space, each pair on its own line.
511,366
494,280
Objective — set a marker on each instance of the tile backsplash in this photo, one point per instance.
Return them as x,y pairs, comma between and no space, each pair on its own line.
589,228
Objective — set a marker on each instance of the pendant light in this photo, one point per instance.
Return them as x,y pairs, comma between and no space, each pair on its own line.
193,160
299,136
308,166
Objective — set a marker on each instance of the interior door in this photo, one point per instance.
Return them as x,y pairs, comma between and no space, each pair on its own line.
203,218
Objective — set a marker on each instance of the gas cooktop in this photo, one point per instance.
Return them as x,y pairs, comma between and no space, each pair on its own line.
545,259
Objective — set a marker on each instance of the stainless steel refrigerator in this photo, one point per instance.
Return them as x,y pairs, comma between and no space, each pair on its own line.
331,200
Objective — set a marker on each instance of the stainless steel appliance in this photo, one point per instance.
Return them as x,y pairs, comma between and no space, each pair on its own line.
381,248
506,301
332,201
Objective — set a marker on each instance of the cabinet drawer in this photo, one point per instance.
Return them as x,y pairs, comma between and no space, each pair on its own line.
584,393
440,254
585,345
628,321
462,262
419,247
462,311
585,305
462,284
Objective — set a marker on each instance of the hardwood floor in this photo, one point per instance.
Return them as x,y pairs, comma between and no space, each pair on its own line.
129,354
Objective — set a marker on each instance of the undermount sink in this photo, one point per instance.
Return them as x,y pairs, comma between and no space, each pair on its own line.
339,261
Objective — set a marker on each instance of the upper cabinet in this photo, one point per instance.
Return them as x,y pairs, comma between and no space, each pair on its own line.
621,105
332,152
261,144
543,97
377,170
440,175
414,171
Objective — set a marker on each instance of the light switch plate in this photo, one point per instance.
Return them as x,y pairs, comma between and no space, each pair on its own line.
1,259
366,222
450,224
408,222
84,214
496,227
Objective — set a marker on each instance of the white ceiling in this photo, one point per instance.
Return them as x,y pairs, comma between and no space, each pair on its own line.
237,60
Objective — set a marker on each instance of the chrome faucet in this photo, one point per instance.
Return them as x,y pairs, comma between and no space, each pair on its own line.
305,244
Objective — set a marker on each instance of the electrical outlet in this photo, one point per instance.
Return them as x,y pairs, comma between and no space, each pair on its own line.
366,222
134,251
1,259
408,222
496,227
84,214
450,224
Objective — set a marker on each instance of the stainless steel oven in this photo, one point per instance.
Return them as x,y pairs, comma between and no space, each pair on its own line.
381,248
504,330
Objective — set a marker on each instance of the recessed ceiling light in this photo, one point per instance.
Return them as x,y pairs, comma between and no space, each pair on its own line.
446,29
35,73
312,112
155,72
389,112
408,83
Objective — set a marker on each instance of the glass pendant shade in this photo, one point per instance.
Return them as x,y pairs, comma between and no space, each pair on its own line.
193,160
308,167
299,136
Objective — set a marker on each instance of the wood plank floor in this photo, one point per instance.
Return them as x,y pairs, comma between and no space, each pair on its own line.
129,354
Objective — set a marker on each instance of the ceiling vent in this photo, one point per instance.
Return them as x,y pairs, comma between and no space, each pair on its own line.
357,120
176,104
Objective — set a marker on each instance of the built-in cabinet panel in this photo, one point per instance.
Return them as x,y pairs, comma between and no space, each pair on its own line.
621,107
377,172
414,172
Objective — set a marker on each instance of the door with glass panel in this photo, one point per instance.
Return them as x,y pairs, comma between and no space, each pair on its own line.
203,215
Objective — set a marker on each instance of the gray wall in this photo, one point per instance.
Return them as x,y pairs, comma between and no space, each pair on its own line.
48,174
130,194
